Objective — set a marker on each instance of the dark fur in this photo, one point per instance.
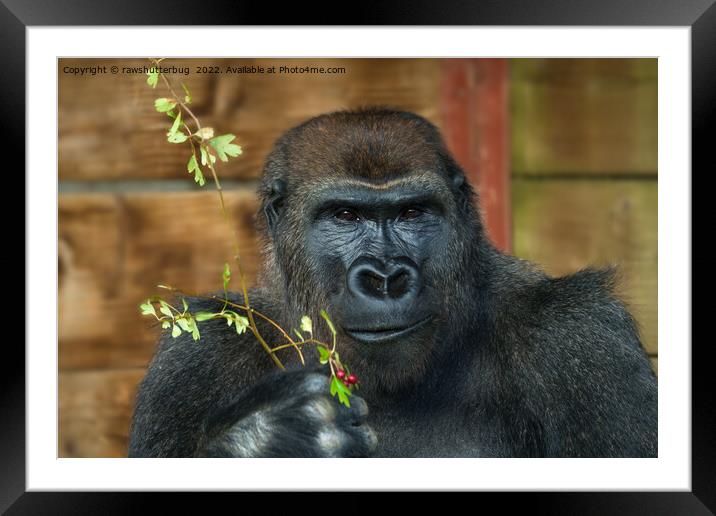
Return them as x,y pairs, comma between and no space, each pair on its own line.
515,364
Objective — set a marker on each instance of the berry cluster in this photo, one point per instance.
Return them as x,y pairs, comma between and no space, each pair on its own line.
351,379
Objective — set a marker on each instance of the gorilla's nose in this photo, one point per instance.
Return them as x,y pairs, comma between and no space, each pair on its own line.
396,280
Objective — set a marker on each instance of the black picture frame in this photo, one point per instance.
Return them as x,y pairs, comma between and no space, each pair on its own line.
700,15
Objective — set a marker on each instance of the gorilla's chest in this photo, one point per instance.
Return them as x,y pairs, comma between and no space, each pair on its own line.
443,433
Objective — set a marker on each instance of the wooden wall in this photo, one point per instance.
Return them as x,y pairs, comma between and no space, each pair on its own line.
130,217
584,172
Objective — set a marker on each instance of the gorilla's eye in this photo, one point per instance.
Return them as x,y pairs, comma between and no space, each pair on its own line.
411,214
347,215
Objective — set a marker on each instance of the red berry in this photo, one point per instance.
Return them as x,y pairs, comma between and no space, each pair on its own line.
341,374
345,382
352,379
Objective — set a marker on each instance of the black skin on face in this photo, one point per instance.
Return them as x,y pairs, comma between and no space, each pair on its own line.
373,246
462,350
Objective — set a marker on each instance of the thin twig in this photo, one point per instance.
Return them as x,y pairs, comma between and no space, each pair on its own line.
237,257
299,343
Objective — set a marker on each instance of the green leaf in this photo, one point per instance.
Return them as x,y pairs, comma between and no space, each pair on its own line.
175,125
175,331
342,388
298,333
324,354
224,147
193,167
187,97
343,392
163,105
204,316
343,398
177,137
230,316
166,324
226,276
239,322
153,78
306,324
148,308
242,323
184,324
189,325
164,308
206,156
186,306
324,314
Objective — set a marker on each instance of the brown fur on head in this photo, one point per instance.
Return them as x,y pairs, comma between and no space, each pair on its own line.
375,144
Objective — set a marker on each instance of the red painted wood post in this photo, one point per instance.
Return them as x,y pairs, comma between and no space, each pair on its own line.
475,115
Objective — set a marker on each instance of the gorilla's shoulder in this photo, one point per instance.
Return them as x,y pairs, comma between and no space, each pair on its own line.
579,319
571,354
585,298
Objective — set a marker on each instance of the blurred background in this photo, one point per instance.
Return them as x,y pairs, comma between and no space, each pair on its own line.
563,152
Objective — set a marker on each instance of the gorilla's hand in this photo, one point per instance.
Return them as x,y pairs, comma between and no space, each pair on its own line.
290,414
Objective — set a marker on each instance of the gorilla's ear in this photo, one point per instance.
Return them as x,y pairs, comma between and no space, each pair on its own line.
461,187
455,173
458,179
274,203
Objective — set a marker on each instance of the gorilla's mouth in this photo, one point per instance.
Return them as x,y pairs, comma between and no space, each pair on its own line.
375,335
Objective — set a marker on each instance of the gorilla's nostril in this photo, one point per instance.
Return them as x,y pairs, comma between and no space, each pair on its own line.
398,284
373,283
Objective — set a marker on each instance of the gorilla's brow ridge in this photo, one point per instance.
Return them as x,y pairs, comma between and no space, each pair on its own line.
429,181
392,183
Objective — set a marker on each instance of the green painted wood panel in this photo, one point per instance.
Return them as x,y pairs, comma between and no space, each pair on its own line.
565,225
584,116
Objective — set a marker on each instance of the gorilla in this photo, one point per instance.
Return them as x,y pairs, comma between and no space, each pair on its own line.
462,350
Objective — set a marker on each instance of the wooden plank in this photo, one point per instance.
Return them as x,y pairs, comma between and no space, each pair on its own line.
474,106
109,130
107,125
95,410
584,116
115,249
567,225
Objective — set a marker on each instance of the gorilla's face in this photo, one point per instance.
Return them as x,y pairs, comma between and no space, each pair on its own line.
365,222
377,246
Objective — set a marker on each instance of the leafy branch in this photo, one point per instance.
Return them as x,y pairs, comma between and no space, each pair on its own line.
205,149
